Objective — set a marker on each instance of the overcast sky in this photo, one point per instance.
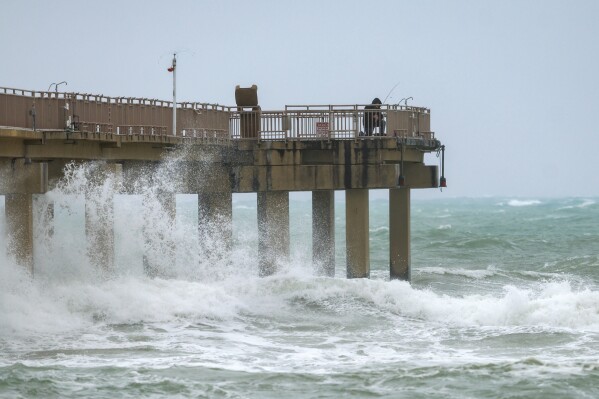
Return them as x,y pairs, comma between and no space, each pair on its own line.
513,86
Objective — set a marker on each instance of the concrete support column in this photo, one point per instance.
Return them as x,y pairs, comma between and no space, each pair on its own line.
215,223
99,216
399,234
157,245
273,230
19,220
19,179
323,232
55,174
357,234
158,185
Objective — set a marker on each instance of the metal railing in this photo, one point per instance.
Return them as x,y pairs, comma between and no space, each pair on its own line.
331,122
130,130
52,110
48,110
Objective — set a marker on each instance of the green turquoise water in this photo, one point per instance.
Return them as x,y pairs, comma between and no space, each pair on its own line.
504,303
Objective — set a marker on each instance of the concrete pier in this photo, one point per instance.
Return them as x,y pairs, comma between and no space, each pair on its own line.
273,230
399,234
218,151
323,232
357,233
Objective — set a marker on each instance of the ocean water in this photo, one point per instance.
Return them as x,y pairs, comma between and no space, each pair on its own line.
504,303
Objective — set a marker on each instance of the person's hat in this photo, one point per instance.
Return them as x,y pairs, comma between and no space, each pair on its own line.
376,101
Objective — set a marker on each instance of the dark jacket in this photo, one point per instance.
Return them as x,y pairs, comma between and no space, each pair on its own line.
372,118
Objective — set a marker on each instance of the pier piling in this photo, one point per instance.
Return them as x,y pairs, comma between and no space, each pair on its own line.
323,232
399,233
273,230
357,234
99,215
19,220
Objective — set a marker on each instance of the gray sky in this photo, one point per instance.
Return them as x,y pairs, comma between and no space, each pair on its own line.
513,86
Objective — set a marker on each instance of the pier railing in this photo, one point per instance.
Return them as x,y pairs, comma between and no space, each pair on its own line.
47,110
331,122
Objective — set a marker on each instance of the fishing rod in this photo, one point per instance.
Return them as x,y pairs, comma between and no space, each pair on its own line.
390,91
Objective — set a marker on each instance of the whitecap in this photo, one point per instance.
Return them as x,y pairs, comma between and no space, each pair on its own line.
585,203
379,229
475,274
244,207
515,202
551,305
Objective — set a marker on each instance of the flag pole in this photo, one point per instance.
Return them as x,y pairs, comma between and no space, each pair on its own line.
174,94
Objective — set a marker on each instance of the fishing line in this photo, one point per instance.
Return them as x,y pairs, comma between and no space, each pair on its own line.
390,91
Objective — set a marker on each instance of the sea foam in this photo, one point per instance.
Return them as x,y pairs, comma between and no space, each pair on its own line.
53,306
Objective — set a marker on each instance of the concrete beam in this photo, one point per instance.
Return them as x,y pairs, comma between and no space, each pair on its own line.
19,133
323,232
96,150
247,179
399,234
273,230
338,152
12,148
418,175
357,233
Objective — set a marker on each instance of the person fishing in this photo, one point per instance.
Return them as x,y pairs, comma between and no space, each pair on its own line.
373,117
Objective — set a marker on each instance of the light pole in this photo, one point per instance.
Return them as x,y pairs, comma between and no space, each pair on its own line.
56,85
67,120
